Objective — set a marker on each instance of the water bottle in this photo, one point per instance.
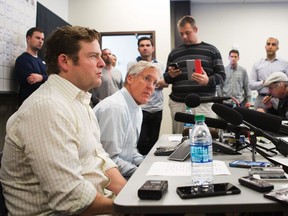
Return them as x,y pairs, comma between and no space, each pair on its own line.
201,153
186,124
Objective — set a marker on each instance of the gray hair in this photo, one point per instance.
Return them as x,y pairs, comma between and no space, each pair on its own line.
140,66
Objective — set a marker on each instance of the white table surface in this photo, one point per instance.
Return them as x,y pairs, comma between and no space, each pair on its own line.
249,200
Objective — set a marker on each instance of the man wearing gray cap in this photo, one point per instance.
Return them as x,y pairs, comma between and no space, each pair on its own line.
277,101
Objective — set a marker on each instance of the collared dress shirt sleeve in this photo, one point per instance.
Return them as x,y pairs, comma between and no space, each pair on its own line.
120,123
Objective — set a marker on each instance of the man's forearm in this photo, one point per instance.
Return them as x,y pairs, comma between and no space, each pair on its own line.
100,205
117,180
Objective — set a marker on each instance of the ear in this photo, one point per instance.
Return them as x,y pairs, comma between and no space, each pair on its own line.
28,38
129,78
63,62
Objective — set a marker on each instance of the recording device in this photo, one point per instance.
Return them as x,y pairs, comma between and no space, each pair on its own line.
268,173
194,100
189,192
256,184
271,177
198,66
214,123
224,148
182,152
168,150
190,68
271,170
175,65
249,164
193,66
279,195
164,150
234,117
153,189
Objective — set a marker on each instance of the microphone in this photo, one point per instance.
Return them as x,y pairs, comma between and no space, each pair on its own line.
194,100
228,114
210,122
265,121
232,116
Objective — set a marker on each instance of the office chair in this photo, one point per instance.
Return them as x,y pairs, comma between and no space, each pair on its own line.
3,209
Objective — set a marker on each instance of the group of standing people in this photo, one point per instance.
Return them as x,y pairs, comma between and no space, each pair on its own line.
62,157
265,73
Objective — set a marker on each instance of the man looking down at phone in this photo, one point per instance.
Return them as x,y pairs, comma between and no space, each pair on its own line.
203,84
277,84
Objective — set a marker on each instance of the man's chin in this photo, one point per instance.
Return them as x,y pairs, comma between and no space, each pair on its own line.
98,84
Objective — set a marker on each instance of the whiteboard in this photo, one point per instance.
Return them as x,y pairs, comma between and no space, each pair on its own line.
16,17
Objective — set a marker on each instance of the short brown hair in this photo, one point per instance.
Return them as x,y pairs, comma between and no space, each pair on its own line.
65,40
234,51
31,31
186,19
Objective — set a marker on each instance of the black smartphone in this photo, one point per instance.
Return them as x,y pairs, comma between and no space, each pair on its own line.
218,189
175,65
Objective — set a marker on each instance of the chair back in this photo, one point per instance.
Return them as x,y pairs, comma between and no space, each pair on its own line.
3,209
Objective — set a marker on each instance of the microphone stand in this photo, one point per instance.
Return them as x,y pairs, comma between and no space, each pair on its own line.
238,130
253,142
281,145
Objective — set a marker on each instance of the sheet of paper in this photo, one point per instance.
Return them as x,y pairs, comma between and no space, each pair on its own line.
175,138
183,169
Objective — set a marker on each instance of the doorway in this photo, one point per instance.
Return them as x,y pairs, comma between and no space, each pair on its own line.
124,46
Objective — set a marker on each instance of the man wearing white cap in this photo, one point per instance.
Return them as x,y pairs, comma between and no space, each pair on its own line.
277,83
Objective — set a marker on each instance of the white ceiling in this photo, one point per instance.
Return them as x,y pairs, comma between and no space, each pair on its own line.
235,1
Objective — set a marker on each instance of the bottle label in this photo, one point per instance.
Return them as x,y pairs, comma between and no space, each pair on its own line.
201,153
188,125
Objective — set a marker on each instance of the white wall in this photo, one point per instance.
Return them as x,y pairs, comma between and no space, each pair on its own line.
129,15
246,25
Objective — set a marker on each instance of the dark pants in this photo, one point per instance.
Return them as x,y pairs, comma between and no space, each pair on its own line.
149,131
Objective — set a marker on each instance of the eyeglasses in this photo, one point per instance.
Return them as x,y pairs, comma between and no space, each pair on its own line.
148,79
273,85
